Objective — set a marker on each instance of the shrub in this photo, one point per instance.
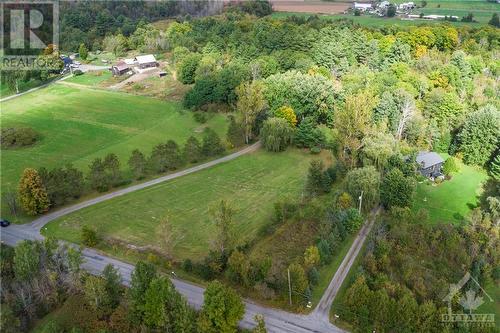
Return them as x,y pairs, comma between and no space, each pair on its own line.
450,166
18,137
315,150
89,236
200,117
77,72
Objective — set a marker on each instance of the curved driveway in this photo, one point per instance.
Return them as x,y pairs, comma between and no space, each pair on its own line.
277,321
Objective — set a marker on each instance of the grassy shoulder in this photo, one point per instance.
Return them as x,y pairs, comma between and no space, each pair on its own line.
77,125
251,183
452,200
327,272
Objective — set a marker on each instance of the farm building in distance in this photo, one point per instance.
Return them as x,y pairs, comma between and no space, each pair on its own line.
429,164
138,63
120,68
363,6
146,61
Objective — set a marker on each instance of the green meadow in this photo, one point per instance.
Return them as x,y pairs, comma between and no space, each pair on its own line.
251,184
77,125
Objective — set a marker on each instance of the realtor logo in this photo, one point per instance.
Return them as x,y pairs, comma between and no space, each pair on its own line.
470,301
28,28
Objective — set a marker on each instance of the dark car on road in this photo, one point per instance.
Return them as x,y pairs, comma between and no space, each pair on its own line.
4,223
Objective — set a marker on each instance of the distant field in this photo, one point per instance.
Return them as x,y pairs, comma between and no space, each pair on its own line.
77,125
481,9
323,7
251,183
452,200
373,21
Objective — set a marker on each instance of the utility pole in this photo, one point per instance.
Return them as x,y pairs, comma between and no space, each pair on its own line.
360,201
289,288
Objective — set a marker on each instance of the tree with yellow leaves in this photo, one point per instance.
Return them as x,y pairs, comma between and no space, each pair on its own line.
32,193
288,114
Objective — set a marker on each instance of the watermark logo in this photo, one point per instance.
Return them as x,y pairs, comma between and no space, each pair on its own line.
470,300
30,33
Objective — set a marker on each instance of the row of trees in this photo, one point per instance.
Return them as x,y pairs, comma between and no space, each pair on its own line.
41,189
38,277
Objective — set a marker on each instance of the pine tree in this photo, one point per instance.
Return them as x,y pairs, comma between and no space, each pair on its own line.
192,150
32,194
235,133
137,163
212,144
83,51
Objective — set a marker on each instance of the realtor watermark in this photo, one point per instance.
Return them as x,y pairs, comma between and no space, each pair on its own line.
29,34
470,301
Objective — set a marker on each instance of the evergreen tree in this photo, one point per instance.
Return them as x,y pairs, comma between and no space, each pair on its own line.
212,145
97,177
308,135
235,133
83,51
192,150
137,163
494,21
112,169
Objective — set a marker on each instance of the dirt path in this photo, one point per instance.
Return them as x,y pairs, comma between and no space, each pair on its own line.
322,310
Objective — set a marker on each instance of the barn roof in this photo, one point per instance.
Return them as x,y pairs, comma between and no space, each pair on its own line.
121,66
428,159
145,59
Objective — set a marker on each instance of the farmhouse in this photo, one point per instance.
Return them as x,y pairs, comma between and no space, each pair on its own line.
429,163
120,68
145,61
362,6
406,6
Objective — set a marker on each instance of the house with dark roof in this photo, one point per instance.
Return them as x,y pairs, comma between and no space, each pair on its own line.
429,163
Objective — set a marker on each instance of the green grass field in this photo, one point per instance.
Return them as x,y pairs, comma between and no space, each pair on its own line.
251,183
452,200
93,78
77,125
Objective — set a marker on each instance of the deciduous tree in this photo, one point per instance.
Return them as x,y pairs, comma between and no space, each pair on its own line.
32,194
250,103
222,309
276,134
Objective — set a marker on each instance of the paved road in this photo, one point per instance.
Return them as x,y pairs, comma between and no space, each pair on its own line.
322,310
276,321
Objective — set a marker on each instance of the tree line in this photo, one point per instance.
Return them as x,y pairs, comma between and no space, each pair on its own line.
42,189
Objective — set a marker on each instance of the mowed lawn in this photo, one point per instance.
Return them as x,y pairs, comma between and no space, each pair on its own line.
77,125
452,200
251,184
92,78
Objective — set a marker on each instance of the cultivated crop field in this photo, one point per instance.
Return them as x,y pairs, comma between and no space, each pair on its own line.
251,184
77,125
